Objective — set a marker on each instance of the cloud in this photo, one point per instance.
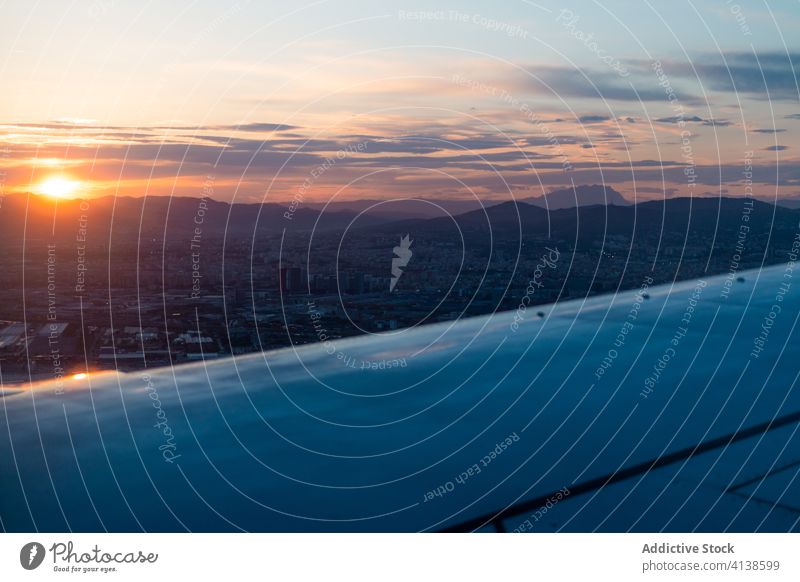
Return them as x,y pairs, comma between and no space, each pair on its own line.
653,190
402,151
75,127
776,148
677,119
256,127
251,127
730,175
768,74
767,130
694,119
592,84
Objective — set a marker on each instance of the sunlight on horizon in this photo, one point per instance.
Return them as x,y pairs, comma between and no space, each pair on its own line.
57,187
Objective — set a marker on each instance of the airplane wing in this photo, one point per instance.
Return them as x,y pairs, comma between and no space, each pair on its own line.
669,408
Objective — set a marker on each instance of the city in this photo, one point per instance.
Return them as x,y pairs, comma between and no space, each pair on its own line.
175,299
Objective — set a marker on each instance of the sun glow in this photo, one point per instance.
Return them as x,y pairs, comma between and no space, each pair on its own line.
58,187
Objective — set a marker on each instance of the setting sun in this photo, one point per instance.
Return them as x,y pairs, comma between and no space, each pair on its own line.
57,187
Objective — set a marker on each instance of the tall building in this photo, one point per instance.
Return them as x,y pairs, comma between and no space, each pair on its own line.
291,280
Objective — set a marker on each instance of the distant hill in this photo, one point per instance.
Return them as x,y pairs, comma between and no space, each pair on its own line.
789,202
586,195
128,219
580,196
404,209
153,238
156,217
32,216
675,217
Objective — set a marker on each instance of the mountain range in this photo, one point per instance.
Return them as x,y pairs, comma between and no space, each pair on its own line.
594,210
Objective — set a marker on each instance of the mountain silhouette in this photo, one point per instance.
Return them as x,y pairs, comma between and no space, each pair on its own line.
580,196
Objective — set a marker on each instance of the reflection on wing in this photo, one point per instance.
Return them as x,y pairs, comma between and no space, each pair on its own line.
671,410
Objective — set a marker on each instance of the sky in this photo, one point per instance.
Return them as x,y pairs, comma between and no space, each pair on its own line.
311,101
